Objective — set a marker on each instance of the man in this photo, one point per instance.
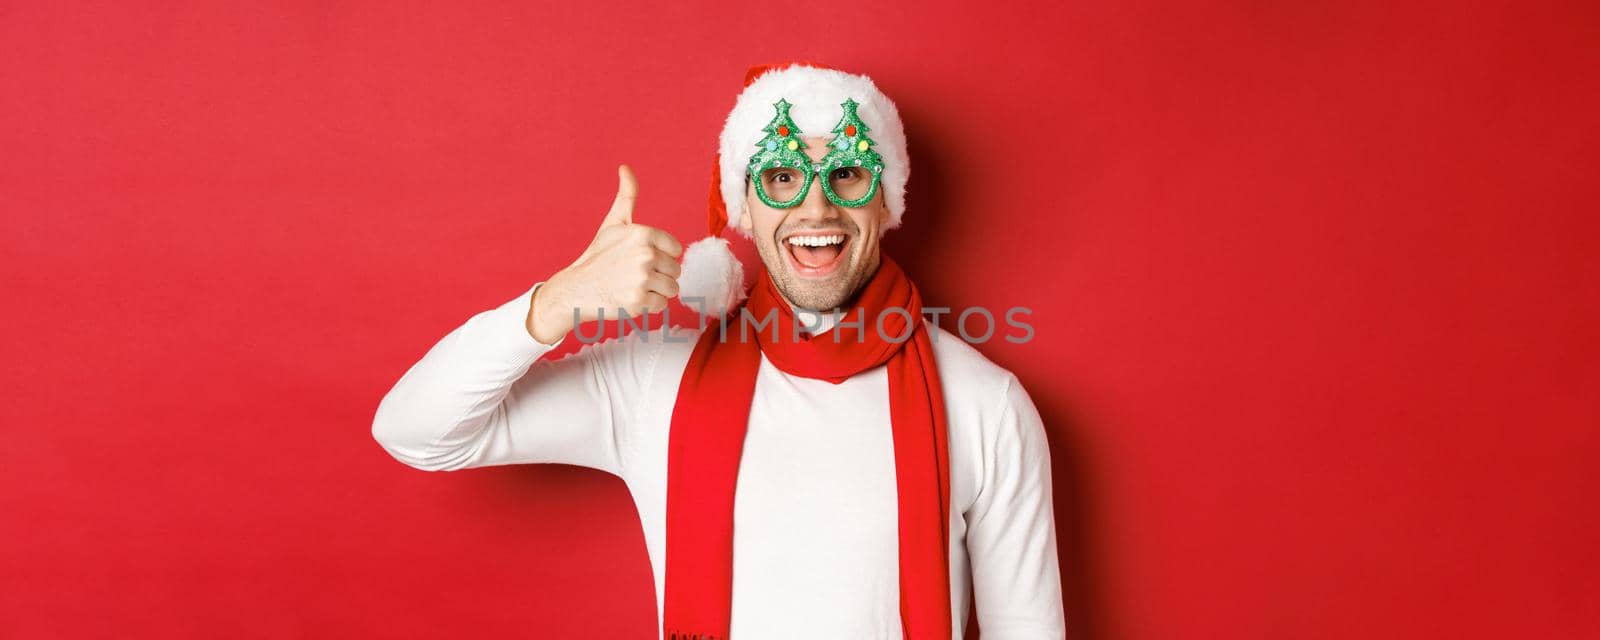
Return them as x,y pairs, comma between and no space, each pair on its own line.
821,465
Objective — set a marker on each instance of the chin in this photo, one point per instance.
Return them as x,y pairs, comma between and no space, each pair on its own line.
818,298
811,292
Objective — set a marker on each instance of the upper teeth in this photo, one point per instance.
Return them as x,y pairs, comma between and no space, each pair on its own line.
815,241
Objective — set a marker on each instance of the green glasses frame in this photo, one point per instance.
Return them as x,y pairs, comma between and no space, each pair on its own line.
782,148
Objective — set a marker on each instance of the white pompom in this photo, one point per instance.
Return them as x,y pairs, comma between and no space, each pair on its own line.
711,273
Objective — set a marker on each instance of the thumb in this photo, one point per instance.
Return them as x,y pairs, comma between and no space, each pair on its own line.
627,191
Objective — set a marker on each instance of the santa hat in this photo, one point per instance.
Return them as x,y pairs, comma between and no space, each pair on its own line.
710,271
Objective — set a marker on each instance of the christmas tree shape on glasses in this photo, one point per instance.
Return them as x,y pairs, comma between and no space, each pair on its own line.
851,148
781,148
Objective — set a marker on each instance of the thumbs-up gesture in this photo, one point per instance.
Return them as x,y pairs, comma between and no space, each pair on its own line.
627,266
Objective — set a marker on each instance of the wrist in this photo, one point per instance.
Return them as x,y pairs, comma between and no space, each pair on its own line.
546,322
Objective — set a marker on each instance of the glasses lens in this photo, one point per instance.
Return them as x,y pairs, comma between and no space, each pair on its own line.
850,183
783,184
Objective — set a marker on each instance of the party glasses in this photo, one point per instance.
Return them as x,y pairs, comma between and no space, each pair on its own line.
783,173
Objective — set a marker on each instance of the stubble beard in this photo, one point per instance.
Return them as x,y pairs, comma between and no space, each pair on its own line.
826,294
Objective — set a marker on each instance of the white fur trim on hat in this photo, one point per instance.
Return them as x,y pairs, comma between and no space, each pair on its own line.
815,95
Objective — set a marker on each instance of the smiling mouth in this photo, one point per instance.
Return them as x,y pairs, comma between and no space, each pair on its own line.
815,255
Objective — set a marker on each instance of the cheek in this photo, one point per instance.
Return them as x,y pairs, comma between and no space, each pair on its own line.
757,220
872,221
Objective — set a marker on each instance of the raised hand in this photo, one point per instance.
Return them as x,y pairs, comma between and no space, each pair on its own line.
628,266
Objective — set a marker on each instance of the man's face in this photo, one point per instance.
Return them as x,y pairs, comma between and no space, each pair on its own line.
818,252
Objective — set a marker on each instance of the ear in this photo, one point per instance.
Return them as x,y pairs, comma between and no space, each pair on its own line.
750,202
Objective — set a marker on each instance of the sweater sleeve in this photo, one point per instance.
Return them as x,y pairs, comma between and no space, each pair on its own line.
483,396
1011,537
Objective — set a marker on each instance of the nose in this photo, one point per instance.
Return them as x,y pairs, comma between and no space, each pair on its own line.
816,207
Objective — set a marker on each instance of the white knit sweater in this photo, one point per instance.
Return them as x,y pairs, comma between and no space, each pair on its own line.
815,546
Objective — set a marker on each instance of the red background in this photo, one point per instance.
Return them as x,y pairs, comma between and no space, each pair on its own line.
1314,288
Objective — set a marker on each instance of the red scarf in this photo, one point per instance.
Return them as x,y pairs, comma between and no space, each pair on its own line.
707,439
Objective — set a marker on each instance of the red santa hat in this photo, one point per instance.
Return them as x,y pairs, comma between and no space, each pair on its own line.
815,93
